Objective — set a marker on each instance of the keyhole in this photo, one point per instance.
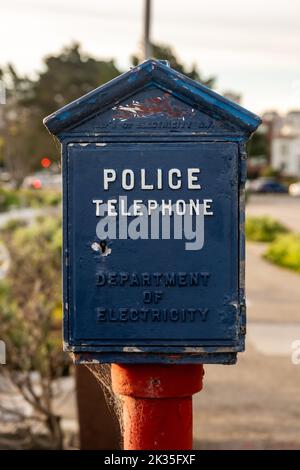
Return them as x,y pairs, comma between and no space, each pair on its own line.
103,246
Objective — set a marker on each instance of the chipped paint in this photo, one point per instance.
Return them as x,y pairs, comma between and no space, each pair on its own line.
152,107
132,349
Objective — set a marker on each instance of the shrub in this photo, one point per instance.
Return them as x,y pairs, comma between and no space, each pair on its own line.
8,199
269,172
30,301
38,198
285,251
16,198
263,229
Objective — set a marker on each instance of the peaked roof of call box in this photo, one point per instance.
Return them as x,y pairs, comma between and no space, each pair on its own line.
157,73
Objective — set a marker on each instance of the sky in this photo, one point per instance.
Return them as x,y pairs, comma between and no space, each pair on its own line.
252,48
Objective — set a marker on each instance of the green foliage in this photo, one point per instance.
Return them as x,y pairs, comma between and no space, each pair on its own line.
65,77
39,198
263,229
164,52
285,251
269,172
258,145
12,225
30,299
9,199
17,198
31,292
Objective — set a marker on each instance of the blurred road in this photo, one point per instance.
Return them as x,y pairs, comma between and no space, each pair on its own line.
26,213
19,214
256,404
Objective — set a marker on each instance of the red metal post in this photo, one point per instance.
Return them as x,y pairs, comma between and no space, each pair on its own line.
157,404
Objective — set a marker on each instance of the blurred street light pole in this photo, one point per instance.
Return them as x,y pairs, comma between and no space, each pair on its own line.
147,49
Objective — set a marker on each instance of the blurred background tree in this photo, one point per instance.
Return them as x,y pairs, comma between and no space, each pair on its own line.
64,78
165,52
30,304
258,145
17,135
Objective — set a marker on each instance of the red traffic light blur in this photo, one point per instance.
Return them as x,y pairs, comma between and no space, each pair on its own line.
45,162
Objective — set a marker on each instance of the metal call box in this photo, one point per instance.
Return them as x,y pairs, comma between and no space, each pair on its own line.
154,168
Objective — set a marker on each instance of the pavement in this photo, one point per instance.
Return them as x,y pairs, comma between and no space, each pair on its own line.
252,405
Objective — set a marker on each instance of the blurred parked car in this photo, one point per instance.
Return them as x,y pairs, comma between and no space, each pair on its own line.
294,189
43,181
264,185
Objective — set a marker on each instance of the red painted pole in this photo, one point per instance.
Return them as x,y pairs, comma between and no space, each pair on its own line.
157,404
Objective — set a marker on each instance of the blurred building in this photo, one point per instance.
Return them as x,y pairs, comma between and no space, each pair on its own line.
285,142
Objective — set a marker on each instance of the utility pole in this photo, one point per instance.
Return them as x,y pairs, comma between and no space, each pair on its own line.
147,49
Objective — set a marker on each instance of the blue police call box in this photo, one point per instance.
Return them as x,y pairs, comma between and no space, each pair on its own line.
154,168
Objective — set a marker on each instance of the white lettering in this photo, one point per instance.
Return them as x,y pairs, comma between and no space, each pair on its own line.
152,205
137,209
207,205
98,203
177,173
111,207
159,178
192,178
109,176
125,185
143,180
